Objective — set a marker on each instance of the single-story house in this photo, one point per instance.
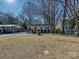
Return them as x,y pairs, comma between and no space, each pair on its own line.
10,29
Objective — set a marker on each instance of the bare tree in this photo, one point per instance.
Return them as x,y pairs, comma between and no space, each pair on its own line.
48,10
51,12
22,21
29,10
7,18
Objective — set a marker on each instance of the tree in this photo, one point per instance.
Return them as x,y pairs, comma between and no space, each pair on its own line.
1,22
12,19
6,18
22,21
48,10
29,11
51,12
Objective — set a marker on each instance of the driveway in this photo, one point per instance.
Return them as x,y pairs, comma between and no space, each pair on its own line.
5,36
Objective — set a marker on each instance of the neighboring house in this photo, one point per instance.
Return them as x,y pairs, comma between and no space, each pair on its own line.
44,28
10,29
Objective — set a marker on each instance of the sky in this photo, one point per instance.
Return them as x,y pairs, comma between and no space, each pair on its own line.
13,6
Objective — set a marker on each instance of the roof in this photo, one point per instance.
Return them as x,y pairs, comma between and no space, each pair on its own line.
10,26
39,25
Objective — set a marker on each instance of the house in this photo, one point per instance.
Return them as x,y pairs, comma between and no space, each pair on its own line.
44,28
10,29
